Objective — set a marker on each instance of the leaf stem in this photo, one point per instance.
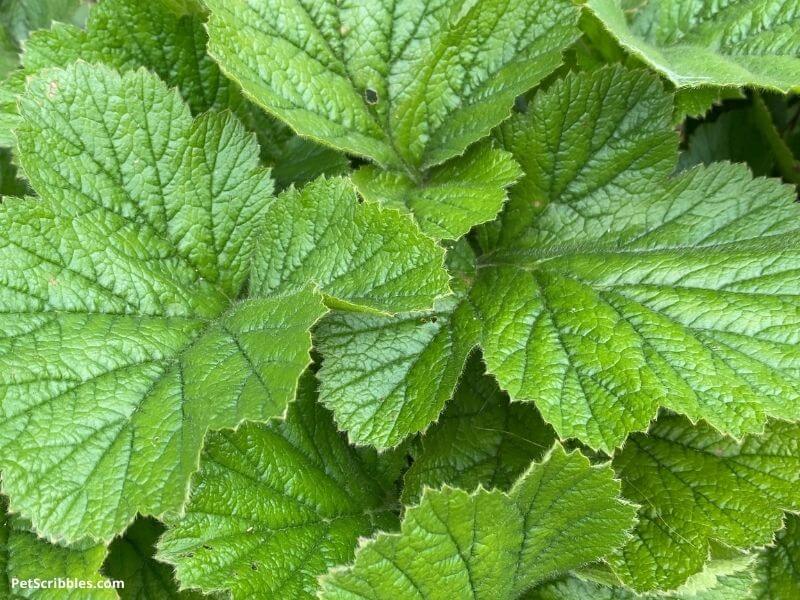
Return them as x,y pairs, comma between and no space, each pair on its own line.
787,165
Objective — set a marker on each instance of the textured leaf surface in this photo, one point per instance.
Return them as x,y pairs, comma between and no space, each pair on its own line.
453,197
720,580
778,566
560,514
273,506
130,559
695,485
481,439
706,43
24,556
169,39
358,253
385,377
408,84
632,289
120,344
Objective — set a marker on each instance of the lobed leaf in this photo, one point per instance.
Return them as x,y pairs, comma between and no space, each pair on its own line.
704,43
696,486
123,338
558,515
24,556
275,505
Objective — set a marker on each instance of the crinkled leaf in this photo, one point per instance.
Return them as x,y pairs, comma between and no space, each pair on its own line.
490,544
452,197
406,84
131,560
275,505
633,289
25,556
706,43
480,439
777,568
169,39
721,580
358,253
116,302
694,486
385,377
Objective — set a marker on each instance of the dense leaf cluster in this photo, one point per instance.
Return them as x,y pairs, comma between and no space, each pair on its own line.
423,299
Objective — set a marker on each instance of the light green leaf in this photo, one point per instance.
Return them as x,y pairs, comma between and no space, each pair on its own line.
24,556
705,43
632,289
130,559
730,579
694,486
168,38
453,197
128,34
358,253
385,377
778,566
275,505
480,439
121,342
489,544
408,84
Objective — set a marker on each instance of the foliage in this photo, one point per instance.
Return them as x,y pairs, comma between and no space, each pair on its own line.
421,299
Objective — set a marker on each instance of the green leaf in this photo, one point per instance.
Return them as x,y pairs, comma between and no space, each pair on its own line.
480,439
778,566
730,579
24,556
359,253
408,85
489,544
453,197
704,43
632,289
385,377
170,40
130,559
275,505
120,340
695,486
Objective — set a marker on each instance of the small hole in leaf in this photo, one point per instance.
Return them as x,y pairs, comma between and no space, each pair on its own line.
371,96
254,566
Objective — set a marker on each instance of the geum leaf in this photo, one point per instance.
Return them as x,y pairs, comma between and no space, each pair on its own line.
385,377
633,289
608,287
701,43
169,40
777,568
25,556
274,506
696,486
408,84
722,579
560,514
124,334
480,439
